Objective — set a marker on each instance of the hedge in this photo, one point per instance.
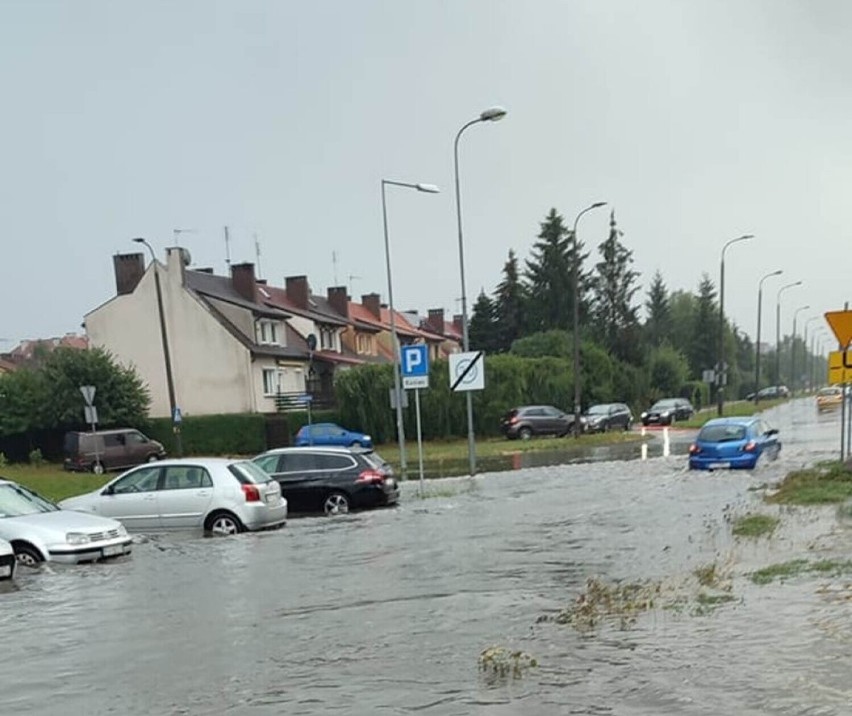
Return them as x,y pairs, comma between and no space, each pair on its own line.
237,434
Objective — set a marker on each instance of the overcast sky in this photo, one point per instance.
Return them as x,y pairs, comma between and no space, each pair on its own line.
697,121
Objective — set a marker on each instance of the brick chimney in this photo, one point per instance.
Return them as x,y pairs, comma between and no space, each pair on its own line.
244,282
297,290
435,321
339,300
372,302
129,269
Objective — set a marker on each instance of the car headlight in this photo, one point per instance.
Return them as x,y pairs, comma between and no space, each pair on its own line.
77,538
665,413
644,415
122,530
367,437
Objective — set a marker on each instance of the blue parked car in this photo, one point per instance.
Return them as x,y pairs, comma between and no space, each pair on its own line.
733,443
331,434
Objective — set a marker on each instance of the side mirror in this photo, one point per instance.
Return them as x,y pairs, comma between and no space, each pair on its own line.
108,490
771,431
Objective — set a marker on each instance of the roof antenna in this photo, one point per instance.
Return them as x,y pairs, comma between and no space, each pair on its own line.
334,264
257,253
227,248
351,278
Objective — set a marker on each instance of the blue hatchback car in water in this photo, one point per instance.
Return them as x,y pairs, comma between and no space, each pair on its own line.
733,443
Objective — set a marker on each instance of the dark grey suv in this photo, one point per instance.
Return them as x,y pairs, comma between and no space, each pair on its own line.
529,420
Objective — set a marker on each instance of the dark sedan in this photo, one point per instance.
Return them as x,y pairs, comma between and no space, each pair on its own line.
333,480
608,416
529,420
668,411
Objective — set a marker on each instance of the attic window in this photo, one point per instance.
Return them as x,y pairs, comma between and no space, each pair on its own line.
263,292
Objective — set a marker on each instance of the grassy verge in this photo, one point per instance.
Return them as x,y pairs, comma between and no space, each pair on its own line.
52,481
796,567
823,484
734,409
493,447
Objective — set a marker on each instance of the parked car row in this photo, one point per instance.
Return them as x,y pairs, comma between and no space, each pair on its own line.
218,495
527,421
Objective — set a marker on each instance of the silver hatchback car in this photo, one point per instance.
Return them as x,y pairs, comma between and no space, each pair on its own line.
221,496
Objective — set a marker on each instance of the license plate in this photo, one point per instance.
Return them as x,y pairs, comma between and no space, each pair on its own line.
6,570
271,498
719,465
113,550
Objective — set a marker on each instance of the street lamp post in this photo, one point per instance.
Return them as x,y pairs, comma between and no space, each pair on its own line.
492,114
397,388
170,383
778,330
807,368
793,350
721,373
575,288
757,345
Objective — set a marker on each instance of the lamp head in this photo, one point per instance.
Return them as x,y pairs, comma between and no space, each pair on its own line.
492,114
777,273
428,188
138,240
598,204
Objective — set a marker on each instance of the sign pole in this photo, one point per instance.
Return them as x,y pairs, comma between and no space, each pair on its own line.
419,437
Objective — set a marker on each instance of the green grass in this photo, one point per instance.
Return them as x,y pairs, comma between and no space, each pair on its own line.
755,525
52,481
490,447
796,567
823,484
737,408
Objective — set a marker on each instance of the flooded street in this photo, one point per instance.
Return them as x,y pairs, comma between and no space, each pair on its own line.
387,612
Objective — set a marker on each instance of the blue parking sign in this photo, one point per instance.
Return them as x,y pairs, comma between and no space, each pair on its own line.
415,366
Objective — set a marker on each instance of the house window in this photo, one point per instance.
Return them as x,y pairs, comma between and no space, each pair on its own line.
363,344
267,332
270,381
327,339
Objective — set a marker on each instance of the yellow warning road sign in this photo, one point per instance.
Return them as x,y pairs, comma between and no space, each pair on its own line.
837,371
841,324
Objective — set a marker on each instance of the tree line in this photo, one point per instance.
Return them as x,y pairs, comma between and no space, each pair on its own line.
673,346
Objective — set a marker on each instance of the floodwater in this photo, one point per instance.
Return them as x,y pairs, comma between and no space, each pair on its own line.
387,612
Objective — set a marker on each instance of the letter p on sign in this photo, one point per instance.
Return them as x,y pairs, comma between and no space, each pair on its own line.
415,366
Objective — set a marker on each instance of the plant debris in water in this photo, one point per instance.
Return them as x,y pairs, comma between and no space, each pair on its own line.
500,663
796,567
755,525
825,483
621,602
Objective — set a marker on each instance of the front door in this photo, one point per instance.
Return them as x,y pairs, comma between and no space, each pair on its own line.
132,499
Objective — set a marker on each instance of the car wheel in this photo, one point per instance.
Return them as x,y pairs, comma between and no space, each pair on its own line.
337,503
98,468
27,555
223,523
524,433
355,444
152,458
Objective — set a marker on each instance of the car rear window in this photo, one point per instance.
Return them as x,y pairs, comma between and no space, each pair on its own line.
722,433
248,473
375,460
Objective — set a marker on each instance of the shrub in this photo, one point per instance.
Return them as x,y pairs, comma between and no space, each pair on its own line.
231,434
36,458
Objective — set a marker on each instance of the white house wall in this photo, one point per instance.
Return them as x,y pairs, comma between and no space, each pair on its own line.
212,370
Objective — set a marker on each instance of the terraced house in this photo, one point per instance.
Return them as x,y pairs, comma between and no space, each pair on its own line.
236,343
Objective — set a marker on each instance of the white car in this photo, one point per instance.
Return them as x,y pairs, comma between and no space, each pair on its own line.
7,560
220,495
39,531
